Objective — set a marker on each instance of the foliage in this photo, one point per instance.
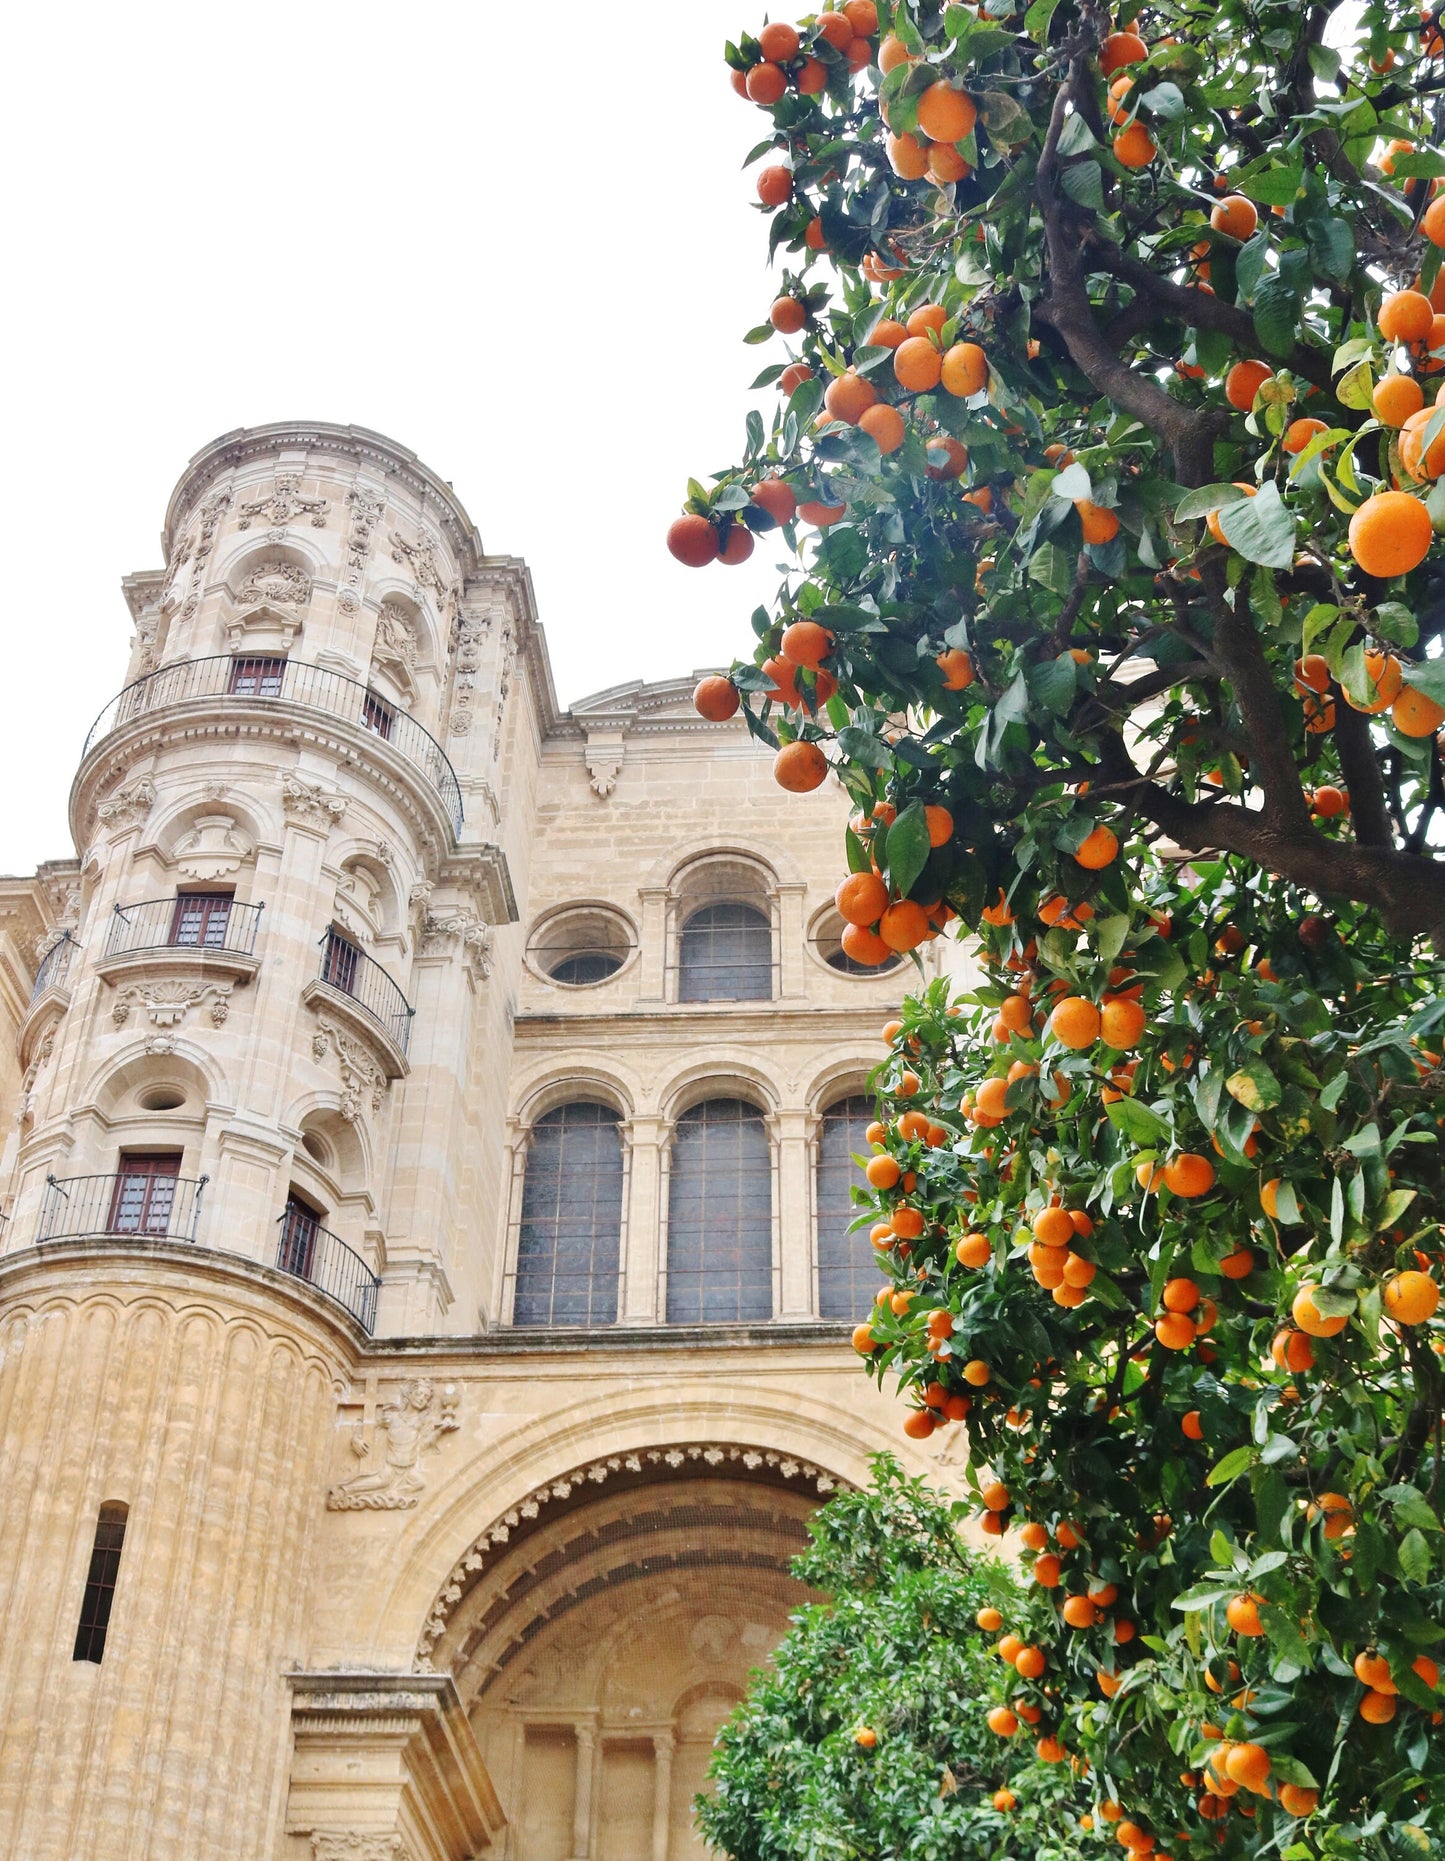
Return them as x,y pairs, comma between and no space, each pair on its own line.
895,1650
1063,644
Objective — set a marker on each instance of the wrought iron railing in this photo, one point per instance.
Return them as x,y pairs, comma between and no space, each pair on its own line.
323,1259
188,921
54,965
347,967
265,680
126,1203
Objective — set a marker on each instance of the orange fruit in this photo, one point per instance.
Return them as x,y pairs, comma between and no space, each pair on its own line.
1373,1670
1308,1317
964,370
1296,1800
716,699
1189,1174
1396,398
1238,1265
1030,1662
1415,715
693,541
1212,522
1121,1024
948,457
1078,1273
1428,1670
945,114
864,946
1405,316
1134,147
775,184
1175,1331
776,498
794,376
907,156
1075,1022
1386,676
1098,522
892,51
1292,1351
865,1736
738,547
976,1373
973,1251
1299,433
1418,460
884,425
1235,216
779,42
1003,1722
1120,49
946,165
821,515
989,1620
1052,1227
862,16
788,316
861,898
1242,1614
805,643
1180,1295
1192,1426
887,333
848,397
1004,1800
1377,1708
1243,382
883,1172
1249,1766
1433,224
904,925
766,83
917,364
1099,849
811,80
1410,1298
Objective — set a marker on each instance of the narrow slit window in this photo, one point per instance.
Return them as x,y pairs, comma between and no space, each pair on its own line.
95,1605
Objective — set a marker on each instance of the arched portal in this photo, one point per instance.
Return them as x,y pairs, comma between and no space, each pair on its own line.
603,1635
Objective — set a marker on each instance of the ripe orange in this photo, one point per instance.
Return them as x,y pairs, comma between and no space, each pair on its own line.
1099,849
1078,1273
794,376
821,515
945,114
1386,676
788,316
1433,224
738,547
1098,522
864,946
811,80
775,184
1134,147
848,397
1410,1298
1419,460
940,824
917,364
1396,398
1075,1022
989,1620
765,84
995,1497
716,699
1238,1265
1299,433
1175,1331
779,42
904,925
1212,520
973,1251
1415,715
892,51
1030,1662
1405,316
1121,1024
884,425
1004,1800
887,333
883,1172
1192,1426
861,898
1003,1722
1308,1317
948,457
865,1736
1378,1708
1249,1766
1296,1800
806,643
693,541
776,498
946,165
862,16
1048,1750
1120,49
863,1339
964,370
907,156
1052,1227
977,1373
1292,1351
1242,1614
1189,1174
1243,382
919,1424
1235,216
1180,1295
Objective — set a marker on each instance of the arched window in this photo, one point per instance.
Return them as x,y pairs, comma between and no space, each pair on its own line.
567,1251
725,954
847,1265
720,1216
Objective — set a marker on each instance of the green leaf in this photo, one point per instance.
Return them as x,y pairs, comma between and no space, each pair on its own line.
1110,936
1206,499
1394,622
1276,315
1428,678
1356,388
862,746
1414,1556
908,847
1275,185
1036,21
1261,529
1230,1468
1202,1596
1137,1122
1166,101
1084,182
1255,1087
1075,137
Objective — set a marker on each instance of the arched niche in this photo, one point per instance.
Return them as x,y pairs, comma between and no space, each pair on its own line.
268,587
208,839
368,904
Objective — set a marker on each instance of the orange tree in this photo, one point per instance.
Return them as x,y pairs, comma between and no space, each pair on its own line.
1105,469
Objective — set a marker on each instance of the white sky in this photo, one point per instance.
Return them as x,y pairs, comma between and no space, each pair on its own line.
518,240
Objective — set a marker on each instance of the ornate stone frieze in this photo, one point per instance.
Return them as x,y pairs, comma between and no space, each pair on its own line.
362,1080
198,550
280,505
366,509
454,928
663,1461
471,630
128,806
507,659
394,649
168,1002
214,848
407,1426
147,629
309,804
420,557
354,1845
278,584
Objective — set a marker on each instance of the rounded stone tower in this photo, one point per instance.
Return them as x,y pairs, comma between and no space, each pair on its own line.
250,1032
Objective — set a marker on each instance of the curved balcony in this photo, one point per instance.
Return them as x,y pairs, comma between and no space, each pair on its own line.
192,931
313,1253
357,984
54,967
271,680
152,1204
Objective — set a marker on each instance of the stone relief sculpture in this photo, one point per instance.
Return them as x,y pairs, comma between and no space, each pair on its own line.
281,504
128,806
214,848
168,1003
411,1424
395,645
281,584
361,1077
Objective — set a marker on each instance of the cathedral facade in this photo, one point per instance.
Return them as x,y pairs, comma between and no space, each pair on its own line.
425,1277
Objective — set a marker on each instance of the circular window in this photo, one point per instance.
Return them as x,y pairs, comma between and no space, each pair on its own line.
826,942
317,1148
161,1098
581,945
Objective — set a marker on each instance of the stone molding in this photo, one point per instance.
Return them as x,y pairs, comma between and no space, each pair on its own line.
168,1003
308,804
280,504
685,1459
128,805
361,1078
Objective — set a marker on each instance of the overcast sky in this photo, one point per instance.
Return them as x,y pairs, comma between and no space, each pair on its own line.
518,240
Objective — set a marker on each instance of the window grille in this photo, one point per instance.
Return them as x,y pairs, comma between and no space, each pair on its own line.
257,677
847,1264
720,1216
377,714
338,965
569,1244
300,1226
200,919
144,1192
99,1594
725,954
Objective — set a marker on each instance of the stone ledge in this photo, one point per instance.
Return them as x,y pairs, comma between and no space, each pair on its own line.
825,1334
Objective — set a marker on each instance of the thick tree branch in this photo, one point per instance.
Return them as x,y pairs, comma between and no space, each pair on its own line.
1361,770
1272,758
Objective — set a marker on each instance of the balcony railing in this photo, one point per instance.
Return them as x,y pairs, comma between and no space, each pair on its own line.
323,1259
190,921
347,967
128,1203
264,680
54,965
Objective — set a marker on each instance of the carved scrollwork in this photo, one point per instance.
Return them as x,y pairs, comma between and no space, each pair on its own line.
281,504
128,806
309,804
452,928
277,584
167,1003
362,1080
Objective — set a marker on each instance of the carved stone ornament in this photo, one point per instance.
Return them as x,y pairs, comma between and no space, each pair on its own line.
197,551
454,928
366,511
409,1425
362,1080
421,558
471,630
605,754
277,584
280,505
168,1003
144,645
504,685
213,849
352,1845
682,1460
128,806
310,805
25,1106
394,648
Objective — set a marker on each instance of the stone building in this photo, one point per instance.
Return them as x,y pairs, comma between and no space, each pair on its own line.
424,1279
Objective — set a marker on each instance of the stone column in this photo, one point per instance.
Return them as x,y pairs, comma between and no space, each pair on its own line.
582,1797
642,1228
652,956
791,1133
662,1749
791,954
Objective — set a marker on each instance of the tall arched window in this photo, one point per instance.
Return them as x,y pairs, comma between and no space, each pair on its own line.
847,1264
720,1216
567,1251
725,954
